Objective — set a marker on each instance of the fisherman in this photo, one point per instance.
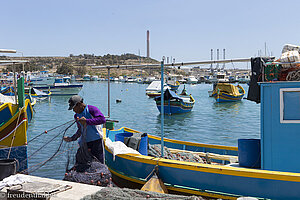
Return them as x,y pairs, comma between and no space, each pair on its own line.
88,118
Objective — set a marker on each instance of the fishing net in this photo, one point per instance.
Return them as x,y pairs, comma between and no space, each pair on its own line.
155,151
115,193
88,169
47,150
50,156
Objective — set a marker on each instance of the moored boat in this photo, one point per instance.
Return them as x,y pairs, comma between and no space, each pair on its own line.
14,119
61,86
154,89
174,103
213,177
226,92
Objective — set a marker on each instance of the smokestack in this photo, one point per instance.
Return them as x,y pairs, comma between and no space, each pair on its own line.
148,48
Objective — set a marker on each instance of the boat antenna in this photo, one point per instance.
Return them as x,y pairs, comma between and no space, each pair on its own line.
162,106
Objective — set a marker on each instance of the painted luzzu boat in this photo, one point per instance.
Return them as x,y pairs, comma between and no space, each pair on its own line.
174,85
216,180
13,131
226,92
175,104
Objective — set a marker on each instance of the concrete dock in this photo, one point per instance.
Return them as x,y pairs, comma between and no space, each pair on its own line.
76,191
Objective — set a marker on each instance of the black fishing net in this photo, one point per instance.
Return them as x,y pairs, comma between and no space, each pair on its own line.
115,193
50,156
87,168
47,150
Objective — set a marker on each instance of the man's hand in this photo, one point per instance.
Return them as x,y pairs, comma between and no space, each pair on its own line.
82,120
67,139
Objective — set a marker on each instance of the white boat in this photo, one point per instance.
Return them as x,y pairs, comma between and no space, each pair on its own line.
131,80
121,79
61,86
86,77
219,77
244,78
154,88
192,80
94,78
150,79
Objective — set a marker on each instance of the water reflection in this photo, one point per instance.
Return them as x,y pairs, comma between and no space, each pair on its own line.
233,107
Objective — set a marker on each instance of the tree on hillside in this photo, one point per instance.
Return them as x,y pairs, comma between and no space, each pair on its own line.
65,69
81,70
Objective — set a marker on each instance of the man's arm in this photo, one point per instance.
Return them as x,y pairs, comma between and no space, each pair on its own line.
98,116
76,135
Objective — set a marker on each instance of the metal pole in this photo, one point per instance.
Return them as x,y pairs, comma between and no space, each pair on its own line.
162,108
15,86
108,88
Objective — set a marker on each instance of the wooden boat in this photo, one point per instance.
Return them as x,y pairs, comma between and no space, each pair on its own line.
219,179
226,92
174,85
37,93
174,103
13,131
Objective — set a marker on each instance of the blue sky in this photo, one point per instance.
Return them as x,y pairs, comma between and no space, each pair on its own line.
183,29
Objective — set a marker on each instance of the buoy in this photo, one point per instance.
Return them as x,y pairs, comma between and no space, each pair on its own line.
46,131
118,100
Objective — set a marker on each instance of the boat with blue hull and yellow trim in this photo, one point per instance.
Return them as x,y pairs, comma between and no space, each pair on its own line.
226,92
174,103
174,85
215,180
14,119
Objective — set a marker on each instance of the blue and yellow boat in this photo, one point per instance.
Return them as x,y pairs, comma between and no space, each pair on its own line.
219,179
14,119
174,85
226,92
174,103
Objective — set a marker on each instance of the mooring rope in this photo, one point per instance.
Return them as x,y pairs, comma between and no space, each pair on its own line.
13,138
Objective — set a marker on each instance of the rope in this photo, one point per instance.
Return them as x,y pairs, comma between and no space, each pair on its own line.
13,138
48,131
45,161
51,141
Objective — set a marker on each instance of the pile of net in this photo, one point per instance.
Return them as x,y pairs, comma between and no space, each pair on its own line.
95,173
115,193
87,168
155,151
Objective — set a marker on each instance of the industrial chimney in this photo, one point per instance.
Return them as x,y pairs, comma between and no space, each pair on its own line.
148,48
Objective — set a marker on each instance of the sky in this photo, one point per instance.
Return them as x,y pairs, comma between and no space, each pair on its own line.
186,30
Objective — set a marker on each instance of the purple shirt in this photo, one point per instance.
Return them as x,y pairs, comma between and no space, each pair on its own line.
98,118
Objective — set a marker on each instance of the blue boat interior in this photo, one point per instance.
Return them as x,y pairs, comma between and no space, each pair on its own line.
111,134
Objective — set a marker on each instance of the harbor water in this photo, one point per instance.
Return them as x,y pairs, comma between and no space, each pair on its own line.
209,122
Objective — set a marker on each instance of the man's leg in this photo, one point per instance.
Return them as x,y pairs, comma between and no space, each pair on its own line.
97,150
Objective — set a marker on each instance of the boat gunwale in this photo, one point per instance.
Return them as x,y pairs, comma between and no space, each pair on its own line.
208,168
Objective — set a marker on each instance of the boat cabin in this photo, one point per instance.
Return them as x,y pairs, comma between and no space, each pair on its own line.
62,81
280,125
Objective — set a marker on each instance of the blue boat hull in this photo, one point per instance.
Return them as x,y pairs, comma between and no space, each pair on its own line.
174,109
217,181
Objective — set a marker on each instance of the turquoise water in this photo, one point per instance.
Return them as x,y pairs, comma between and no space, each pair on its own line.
209,122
